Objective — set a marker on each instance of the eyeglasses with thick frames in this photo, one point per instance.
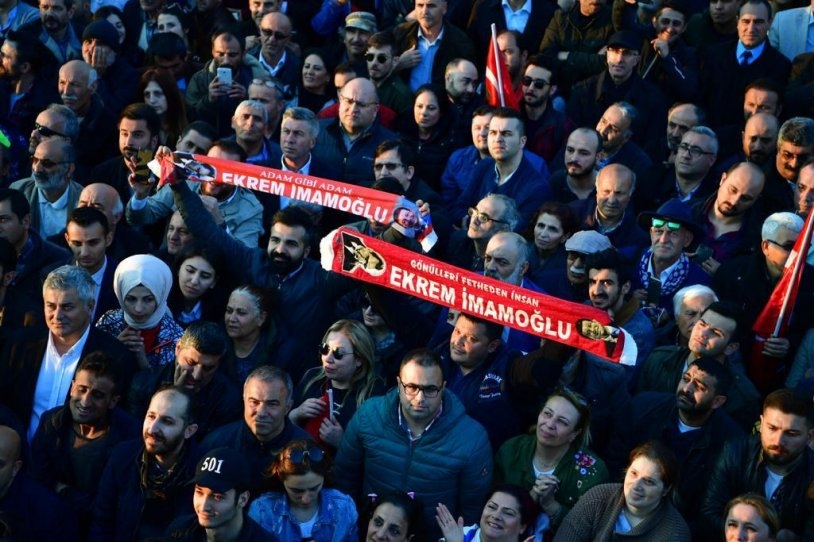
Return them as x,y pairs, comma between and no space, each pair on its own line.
381,58
45,131
483,218
692,150
539,84
389,166
276,34
350,102
411,390
324,349
314,454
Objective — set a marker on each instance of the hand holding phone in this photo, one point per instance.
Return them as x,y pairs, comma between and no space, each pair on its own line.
225,76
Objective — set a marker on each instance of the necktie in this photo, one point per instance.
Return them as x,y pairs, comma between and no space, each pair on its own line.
746,56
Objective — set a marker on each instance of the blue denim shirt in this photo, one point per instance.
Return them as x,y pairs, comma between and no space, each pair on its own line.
336,518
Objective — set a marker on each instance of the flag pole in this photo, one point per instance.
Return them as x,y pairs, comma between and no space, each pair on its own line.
799,265
497,63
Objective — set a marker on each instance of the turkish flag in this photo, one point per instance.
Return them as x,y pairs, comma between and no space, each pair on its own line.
499,92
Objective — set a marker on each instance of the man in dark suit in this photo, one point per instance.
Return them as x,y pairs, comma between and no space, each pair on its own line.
486,12
728,68
36,370
416,39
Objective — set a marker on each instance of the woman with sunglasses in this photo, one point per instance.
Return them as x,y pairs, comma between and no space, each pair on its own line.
300,507
507,517
327,396
637,510
554,465
144,324
393,517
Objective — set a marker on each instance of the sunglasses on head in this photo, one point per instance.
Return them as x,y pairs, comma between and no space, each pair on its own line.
381,58
324,349
314,454
539,84
659,223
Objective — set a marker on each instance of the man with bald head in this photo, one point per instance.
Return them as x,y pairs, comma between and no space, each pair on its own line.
804,189
127,241
24,500
730,217
97,124
274,55
760,138
347,144
50,191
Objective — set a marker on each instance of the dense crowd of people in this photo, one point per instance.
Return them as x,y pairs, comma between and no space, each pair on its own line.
651,161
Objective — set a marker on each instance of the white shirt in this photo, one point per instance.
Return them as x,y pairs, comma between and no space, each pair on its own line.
304,170
54,380
53,216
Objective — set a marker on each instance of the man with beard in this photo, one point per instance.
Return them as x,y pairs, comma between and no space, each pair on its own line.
266,428
212,100
690,421
616,126
97,130
139,127
50,190
146,482
606,212
235,207
680,118
804,190
306,292
546,127
222,482
198,356
714,336
776,464
716,24
730,217
461,83
795,145
758,142
578,180
608,290
73,442
381,60
55,31
690,178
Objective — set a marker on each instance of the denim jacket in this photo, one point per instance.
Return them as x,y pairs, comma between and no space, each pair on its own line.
336,518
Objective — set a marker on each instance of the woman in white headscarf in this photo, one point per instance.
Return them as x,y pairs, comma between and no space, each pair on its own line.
144,323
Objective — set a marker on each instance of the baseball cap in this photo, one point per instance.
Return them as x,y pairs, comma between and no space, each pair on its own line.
362,20
626,39
223,469
587,242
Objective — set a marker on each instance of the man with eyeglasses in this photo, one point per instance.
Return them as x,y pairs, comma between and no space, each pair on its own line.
347,144
664,268
728,68
749,281
55,122
51,191
381,60
546,128
274,55
795,145
492,214
714,336
197,369
732,217
420,430
689,179
268,423
620,82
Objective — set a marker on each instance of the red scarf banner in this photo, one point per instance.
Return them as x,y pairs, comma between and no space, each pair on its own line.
364,202
365,258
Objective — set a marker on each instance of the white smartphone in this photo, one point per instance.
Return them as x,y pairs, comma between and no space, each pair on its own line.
225,76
